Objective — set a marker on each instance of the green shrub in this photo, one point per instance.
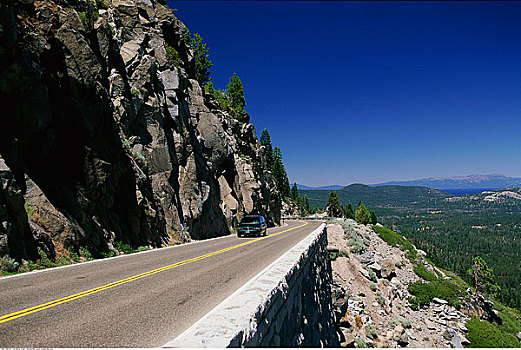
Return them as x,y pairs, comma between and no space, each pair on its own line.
396,240
83,18
74,256
62,262
101,4
356,246
34,216
123,247
343,253
421,271
107,254
442,289
86,253
372,276
455,279
381,299
394,322
390,237
399,264
44,260
371,332
483,334
9,265
142,249
373,287
360,343
406,324
172,55
140,159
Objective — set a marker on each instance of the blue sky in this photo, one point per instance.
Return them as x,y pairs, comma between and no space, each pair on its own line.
373,91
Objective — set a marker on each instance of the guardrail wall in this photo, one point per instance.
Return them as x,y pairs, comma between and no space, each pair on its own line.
286,305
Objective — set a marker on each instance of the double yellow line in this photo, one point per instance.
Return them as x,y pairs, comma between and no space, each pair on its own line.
31,310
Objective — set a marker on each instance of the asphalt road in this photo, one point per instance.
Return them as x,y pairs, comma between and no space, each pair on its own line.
137,300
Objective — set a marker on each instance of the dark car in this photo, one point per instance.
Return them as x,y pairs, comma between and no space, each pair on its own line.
253,225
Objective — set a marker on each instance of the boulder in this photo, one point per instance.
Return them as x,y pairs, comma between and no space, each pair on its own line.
430,324
400,336
367,257
453,337
480,307
347,340
387,269
439,301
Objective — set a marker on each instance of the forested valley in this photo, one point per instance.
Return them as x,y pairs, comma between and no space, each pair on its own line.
452,230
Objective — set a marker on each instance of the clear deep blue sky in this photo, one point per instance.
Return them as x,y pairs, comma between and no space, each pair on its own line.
372,92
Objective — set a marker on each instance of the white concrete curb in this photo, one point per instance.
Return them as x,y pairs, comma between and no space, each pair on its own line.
232,316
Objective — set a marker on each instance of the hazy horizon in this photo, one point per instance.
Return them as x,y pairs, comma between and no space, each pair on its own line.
400,180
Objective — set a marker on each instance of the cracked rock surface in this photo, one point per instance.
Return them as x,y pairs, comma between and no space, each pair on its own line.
108,139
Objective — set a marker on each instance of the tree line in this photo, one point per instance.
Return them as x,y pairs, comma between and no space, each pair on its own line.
361,214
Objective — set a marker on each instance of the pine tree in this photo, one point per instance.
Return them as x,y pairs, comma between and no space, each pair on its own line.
236,97
362,215
202,60
333,207
306,204
265,141
294,192
279,173
349,213
374,219
187,39
483,277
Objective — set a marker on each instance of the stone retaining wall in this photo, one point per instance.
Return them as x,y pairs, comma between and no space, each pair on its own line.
287,304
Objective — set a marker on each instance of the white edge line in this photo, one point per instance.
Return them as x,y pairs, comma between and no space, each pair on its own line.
238,291
116,257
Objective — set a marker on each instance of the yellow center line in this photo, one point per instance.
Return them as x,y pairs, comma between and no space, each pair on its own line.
28,311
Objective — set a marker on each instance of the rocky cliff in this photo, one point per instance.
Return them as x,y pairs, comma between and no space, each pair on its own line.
105,138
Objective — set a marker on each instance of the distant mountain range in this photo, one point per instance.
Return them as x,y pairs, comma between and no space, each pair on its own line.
481,182
460,182
410,198
379,196
322,188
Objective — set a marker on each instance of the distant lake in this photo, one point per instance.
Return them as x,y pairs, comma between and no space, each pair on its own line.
463,191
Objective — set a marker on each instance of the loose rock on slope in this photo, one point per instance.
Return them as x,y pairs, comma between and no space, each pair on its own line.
371,298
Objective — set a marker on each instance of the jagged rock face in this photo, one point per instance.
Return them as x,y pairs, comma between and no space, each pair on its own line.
109,140
16,239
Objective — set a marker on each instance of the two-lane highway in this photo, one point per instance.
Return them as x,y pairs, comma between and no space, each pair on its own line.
137,300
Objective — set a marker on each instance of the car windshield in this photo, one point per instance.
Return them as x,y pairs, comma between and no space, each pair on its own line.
250,221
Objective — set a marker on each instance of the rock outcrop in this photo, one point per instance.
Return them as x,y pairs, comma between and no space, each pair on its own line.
107,138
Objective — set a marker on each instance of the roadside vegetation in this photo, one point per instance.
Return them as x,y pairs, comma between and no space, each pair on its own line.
9,266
